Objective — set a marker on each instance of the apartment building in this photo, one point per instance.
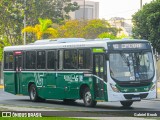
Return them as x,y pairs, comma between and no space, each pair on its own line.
88,10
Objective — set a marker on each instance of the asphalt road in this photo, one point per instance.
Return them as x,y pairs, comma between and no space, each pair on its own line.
23,101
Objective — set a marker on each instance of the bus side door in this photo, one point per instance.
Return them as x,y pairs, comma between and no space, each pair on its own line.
18,76
98,71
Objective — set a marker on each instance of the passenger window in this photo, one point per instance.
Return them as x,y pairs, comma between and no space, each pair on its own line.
8,60
70,59
30,60
84,59
41,60
51,59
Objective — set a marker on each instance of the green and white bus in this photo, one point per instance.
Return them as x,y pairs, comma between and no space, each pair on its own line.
74,68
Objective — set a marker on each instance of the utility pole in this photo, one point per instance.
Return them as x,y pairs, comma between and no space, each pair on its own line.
140,4
84,4
24,21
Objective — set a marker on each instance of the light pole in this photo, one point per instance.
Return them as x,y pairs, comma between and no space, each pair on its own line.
140,4
84,4
24,21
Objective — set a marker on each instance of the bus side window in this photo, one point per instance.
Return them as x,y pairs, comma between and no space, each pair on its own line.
41,60
8,60
70,59
51,60
84,59
30,59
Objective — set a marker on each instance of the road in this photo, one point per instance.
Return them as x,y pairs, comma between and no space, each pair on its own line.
23,101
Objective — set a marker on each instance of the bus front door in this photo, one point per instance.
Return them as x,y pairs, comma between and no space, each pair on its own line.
18,67
99,76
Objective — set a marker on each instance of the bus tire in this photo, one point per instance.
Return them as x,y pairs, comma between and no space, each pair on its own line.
87,98
34,95
126,103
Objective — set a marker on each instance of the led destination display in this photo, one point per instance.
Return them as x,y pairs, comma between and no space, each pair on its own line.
128,46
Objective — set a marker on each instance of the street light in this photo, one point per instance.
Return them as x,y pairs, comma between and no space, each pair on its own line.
140,4
84,4
24,21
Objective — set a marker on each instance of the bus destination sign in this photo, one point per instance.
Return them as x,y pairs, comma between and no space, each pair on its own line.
122,46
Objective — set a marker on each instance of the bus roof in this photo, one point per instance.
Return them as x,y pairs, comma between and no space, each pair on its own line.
68,43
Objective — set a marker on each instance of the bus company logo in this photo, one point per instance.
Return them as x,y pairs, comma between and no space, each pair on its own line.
39,79
73,78
6,114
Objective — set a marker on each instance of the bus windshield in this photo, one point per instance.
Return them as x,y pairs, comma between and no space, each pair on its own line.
131,66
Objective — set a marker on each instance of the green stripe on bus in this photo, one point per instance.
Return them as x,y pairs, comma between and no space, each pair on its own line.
98,50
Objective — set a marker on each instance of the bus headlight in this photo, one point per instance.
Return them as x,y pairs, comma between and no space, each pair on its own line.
153,87
114,88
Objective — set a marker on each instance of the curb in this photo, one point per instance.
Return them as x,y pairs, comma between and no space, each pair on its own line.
1,86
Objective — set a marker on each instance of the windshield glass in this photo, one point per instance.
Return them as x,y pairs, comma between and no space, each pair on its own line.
131,66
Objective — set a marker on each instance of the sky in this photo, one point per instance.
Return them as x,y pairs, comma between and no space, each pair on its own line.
118,8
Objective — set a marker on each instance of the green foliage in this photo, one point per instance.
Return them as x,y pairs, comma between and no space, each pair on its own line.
3,42
146,23
122,36
95,27
56,10
106,35
42,28
11,21
86,29
72,28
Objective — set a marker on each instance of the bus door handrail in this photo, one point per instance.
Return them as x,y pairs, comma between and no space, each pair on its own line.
100,79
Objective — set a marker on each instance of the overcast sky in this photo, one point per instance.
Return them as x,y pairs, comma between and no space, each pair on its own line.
118,8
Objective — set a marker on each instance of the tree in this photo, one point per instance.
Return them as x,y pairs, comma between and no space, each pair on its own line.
86,29
12,15
95,27
40,29
11,21
146,23
56,10
106,35
71,28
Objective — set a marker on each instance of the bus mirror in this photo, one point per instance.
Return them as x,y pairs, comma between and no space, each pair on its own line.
107,57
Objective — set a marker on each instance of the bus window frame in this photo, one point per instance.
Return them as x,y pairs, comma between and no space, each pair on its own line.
55,62
91,60
4,60
35,59
64,57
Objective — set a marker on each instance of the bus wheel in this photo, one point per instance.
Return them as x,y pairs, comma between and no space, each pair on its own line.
126,103
87,98
34,95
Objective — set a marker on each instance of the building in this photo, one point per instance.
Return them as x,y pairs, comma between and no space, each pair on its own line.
124,24
88,10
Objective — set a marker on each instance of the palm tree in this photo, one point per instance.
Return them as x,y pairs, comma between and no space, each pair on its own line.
42,28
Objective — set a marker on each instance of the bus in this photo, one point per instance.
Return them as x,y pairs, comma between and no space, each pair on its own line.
72,69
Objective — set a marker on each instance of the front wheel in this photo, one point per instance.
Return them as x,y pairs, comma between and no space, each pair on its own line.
87,98
126,103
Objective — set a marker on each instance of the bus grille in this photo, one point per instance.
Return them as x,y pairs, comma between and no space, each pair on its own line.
130,96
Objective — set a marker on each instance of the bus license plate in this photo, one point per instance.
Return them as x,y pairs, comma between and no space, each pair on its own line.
136,98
